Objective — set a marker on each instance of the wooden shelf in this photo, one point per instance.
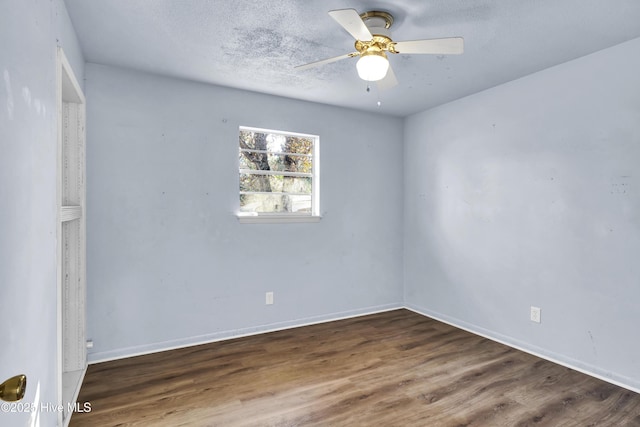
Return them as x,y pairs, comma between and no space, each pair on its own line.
69,213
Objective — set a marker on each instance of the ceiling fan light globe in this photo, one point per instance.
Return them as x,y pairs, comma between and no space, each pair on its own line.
372,66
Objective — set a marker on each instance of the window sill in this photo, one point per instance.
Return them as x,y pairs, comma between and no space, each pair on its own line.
276,219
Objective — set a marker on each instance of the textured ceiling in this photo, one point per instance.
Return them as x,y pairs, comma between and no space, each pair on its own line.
254,45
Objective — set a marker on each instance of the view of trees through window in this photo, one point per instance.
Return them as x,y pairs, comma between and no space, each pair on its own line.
276,172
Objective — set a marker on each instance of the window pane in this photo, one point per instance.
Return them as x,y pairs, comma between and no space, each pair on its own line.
255,161
275,183
275,203
298,145
253,140
275,162
260,183
275,143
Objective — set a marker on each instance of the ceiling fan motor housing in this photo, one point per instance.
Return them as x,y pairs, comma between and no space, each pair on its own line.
378,24
377,18
378,30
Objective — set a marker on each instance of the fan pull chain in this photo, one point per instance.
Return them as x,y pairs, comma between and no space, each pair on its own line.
378,102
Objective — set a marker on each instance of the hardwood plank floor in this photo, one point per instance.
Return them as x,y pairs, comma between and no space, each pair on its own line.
389,369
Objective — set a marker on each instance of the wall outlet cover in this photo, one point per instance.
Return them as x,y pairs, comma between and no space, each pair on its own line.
535,314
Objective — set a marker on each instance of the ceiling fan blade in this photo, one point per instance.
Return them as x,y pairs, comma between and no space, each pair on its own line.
388,81
350,20
326,61
447,46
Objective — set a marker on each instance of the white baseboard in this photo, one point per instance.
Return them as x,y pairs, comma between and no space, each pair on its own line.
576,365
123,353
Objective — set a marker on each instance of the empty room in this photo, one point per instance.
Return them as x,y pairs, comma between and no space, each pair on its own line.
337,213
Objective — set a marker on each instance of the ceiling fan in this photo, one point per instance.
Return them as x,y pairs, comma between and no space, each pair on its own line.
373,42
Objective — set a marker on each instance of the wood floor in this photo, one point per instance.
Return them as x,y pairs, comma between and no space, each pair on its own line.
390,369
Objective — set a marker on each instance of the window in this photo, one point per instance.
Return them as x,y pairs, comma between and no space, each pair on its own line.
278,176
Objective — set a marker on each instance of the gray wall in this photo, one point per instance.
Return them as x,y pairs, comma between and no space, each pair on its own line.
28,129
528,194
168,262
522,195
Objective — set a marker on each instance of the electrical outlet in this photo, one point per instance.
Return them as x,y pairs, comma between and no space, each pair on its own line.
535,314
269,298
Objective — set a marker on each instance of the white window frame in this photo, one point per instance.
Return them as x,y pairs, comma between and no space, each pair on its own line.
314,215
